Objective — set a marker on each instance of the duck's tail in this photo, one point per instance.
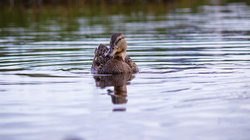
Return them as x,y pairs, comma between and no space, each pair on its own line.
101,50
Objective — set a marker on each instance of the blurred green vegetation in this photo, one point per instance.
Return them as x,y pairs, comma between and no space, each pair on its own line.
17,9
20,11
70,16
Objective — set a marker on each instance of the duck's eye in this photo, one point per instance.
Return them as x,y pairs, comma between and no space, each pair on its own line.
119,40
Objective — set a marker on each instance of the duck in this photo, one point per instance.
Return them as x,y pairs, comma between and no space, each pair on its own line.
113,60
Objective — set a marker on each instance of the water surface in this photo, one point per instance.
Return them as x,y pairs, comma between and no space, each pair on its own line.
194,79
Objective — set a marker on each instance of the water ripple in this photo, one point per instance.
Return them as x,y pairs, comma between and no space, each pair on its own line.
194,71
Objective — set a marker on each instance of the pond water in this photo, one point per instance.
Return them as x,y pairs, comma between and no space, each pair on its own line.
194,79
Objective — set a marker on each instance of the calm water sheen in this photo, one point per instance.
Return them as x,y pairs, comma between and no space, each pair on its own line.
194,80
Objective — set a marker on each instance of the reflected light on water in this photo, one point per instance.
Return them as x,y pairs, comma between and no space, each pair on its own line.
193,82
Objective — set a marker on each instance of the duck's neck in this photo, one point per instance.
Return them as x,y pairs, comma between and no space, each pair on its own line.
120,55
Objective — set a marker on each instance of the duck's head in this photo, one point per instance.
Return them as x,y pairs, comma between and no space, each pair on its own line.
118,46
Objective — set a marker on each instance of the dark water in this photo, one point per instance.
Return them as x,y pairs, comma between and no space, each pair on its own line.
194,80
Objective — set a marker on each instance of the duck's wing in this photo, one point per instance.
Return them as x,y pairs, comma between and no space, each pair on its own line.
132,64
100,58
101,50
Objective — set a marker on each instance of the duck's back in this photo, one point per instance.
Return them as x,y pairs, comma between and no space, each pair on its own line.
131,64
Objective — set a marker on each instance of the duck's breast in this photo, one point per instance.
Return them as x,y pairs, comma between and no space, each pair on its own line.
115,66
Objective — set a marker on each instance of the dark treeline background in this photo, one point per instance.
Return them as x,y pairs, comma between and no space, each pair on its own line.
28,3
96,7
21,12
100,4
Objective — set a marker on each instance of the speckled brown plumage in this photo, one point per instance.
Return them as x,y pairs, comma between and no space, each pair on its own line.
131,64
115,66
103,63
100,59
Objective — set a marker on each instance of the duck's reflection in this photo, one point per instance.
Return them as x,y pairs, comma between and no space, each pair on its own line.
119,81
